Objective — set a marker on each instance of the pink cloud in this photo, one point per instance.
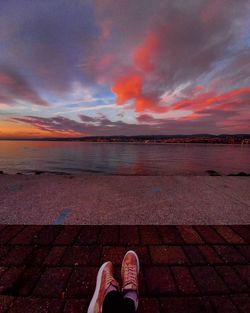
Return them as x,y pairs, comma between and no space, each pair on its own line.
13,87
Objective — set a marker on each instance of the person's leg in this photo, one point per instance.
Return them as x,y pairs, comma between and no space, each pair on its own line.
106,289
128,306
112,302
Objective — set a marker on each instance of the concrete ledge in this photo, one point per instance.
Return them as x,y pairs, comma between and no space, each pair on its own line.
117,200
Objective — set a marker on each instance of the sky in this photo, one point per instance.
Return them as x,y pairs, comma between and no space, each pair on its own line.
116,67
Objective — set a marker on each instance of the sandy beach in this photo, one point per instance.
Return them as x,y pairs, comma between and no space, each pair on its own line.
52,199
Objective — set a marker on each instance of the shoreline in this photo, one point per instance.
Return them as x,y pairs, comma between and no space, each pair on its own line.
98,173
117,200
131,143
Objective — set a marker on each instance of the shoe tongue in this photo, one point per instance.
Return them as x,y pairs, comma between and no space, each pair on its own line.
114,283
130,287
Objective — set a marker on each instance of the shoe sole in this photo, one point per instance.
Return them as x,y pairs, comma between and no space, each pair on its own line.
97,289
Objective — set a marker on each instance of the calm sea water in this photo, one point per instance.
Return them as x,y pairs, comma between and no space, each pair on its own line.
123,159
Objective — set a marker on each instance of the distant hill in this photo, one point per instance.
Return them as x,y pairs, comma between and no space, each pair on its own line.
200,138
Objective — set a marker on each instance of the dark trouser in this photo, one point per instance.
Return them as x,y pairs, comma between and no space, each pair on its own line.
115,303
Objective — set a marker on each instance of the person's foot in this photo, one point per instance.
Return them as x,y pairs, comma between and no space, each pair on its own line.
105,283
130,274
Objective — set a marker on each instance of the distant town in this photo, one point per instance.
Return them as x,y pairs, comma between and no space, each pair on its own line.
158,139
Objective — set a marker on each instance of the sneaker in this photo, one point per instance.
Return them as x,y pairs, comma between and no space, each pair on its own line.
130,273
104,281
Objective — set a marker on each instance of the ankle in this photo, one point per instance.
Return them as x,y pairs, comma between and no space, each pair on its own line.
131,294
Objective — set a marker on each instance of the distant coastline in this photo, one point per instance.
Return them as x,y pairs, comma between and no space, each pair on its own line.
151,139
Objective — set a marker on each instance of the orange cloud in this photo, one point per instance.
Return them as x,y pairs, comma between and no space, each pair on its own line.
127,87
130,88
143,55
143,103
225,100
15,129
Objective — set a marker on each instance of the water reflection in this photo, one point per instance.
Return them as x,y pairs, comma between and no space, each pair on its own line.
123,159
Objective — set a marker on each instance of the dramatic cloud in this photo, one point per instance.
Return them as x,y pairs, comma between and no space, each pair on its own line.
159,66
13,88
87,125
130,88
179,49
234,99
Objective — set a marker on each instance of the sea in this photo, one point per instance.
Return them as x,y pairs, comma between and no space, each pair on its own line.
85,158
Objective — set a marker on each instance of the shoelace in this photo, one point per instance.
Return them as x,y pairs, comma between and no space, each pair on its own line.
130,275
108,278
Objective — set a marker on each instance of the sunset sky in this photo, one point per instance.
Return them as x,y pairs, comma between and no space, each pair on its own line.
116,67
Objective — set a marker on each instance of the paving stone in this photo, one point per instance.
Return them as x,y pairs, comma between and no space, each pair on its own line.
149,235
223,304
194,255
5,303
27,235
231,279
37,256
159,281
47,235
186,305
243,231
142,282
68,235
170,235
16,256
167,255
230,255
75,306
28,281
208,281
210,255
113,254
55,255
59,276
209,235
109,235
242,302
9,232
82,283
244,272
34,305
189,235
88,235
81,256
129,235
9,280
245,251
2,270
228,234
184,280
54,268
148,306
2,228
4,251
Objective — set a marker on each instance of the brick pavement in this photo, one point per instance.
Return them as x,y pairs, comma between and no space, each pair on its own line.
183,268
